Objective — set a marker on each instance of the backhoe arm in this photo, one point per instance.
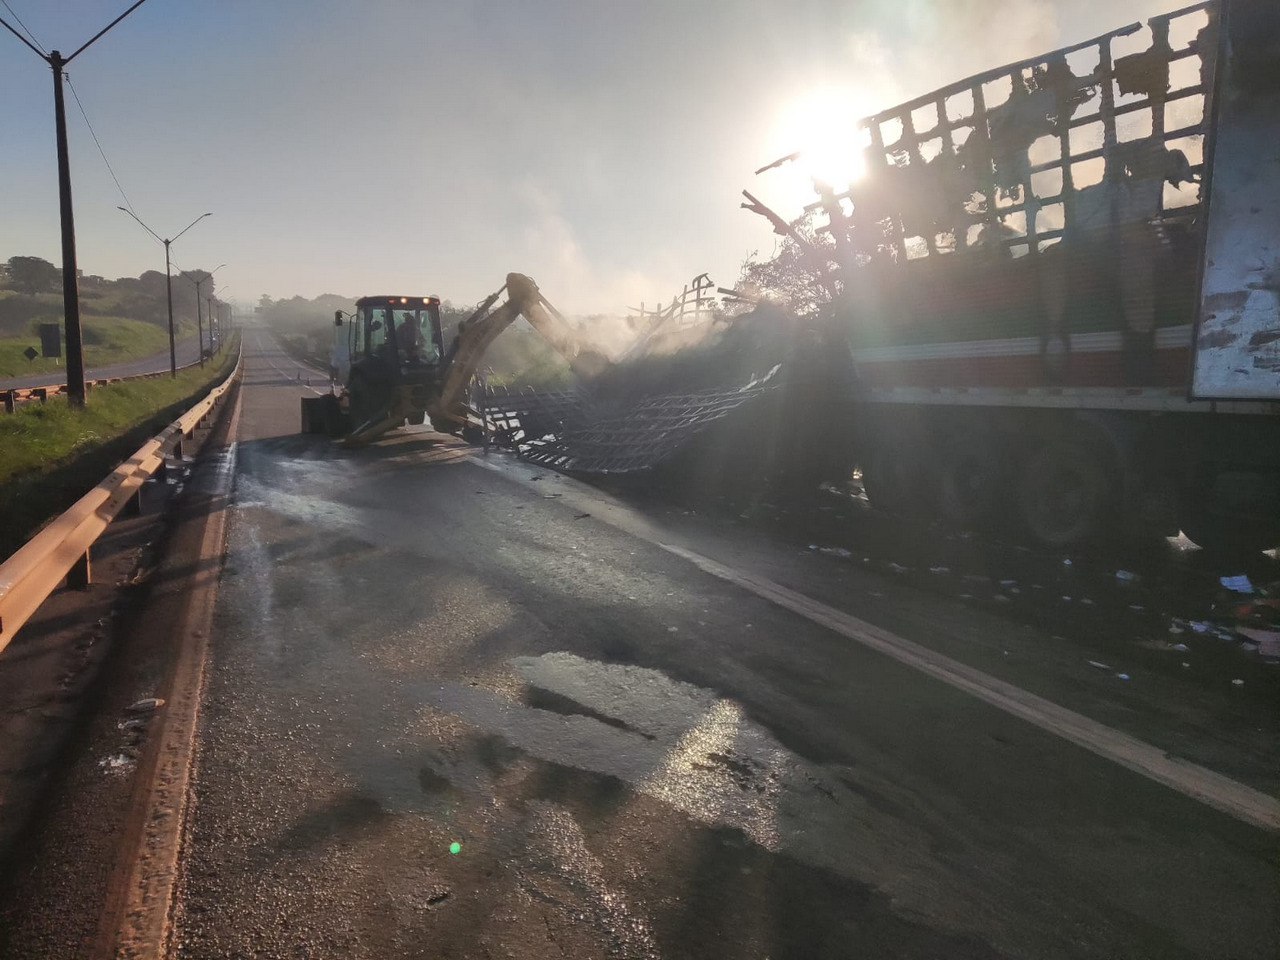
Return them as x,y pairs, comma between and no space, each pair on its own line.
478,331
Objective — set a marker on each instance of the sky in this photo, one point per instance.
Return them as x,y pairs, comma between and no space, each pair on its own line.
416,146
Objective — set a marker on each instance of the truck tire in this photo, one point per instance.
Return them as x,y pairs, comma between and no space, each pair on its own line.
893,477
1064,493
971,480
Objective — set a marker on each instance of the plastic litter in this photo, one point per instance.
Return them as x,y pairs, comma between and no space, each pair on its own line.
1098,664
1237,682
1237,584
939,569
898,568
1126,576
1122,676
1268,641
835,552
149,705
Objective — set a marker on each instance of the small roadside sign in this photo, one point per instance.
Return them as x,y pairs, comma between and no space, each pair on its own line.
50,340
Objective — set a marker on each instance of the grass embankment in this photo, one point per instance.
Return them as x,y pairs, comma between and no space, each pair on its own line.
107,340
51,455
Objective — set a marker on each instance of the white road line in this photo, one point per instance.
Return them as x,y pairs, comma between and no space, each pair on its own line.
1199,783
1222,793
265,355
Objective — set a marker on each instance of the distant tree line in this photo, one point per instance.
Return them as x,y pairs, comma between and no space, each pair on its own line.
31,293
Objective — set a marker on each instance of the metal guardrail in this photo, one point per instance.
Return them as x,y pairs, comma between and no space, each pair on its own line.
16,395
61,550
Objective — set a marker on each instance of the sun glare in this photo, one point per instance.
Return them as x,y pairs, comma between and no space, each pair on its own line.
823,126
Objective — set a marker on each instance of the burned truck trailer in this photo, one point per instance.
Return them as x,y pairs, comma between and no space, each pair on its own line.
1060,283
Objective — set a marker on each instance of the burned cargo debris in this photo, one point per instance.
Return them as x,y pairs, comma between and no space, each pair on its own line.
692,372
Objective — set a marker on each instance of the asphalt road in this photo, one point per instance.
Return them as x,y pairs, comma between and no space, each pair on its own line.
184,351
461,708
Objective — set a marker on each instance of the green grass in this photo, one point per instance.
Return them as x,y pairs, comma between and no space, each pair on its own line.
54,454
107,340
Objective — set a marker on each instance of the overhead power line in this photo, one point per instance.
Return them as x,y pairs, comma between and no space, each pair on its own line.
13,13
93,133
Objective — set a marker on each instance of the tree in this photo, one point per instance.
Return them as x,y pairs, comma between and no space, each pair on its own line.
800,277
32,275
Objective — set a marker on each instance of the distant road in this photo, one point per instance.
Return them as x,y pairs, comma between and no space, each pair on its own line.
186,353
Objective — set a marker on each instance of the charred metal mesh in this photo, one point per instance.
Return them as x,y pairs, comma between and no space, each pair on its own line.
570,431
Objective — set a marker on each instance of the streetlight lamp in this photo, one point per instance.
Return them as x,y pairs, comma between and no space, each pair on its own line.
168,278
199,322
70,281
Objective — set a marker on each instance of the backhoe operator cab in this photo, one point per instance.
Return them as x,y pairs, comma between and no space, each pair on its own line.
387,355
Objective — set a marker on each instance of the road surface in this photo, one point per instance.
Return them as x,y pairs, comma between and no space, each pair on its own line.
461,708
184,350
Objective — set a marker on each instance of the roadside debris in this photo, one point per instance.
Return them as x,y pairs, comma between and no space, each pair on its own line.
146,706
832,551
1126,576
1237,584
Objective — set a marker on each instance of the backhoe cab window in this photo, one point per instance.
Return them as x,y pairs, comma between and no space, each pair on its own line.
414,335
376,325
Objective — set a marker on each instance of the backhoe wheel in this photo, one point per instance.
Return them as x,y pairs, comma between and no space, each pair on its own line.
367,401
1064,492
971,480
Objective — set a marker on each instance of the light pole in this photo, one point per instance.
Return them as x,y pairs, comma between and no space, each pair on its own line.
70,285
212,301
168,278
199,327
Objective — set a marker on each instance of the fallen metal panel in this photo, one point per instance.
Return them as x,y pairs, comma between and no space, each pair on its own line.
576,433
1238,338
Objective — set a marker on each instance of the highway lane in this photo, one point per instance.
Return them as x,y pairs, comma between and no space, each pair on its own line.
184,351
637,758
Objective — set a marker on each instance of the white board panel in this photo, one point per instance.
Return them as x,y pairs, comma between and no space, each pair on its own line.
1238,335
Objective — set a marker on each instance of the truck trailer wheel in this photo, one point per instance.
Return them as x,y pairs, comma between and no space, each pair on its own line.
1064,492
894,479
971,480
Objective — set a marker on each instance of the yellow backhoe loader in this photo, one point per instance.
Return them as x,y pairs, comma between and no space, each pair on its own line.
390,363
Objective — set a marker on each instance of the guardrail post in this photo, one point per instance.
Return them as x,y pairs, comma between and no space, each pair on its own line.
78,577
133,506
8,401
40,393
